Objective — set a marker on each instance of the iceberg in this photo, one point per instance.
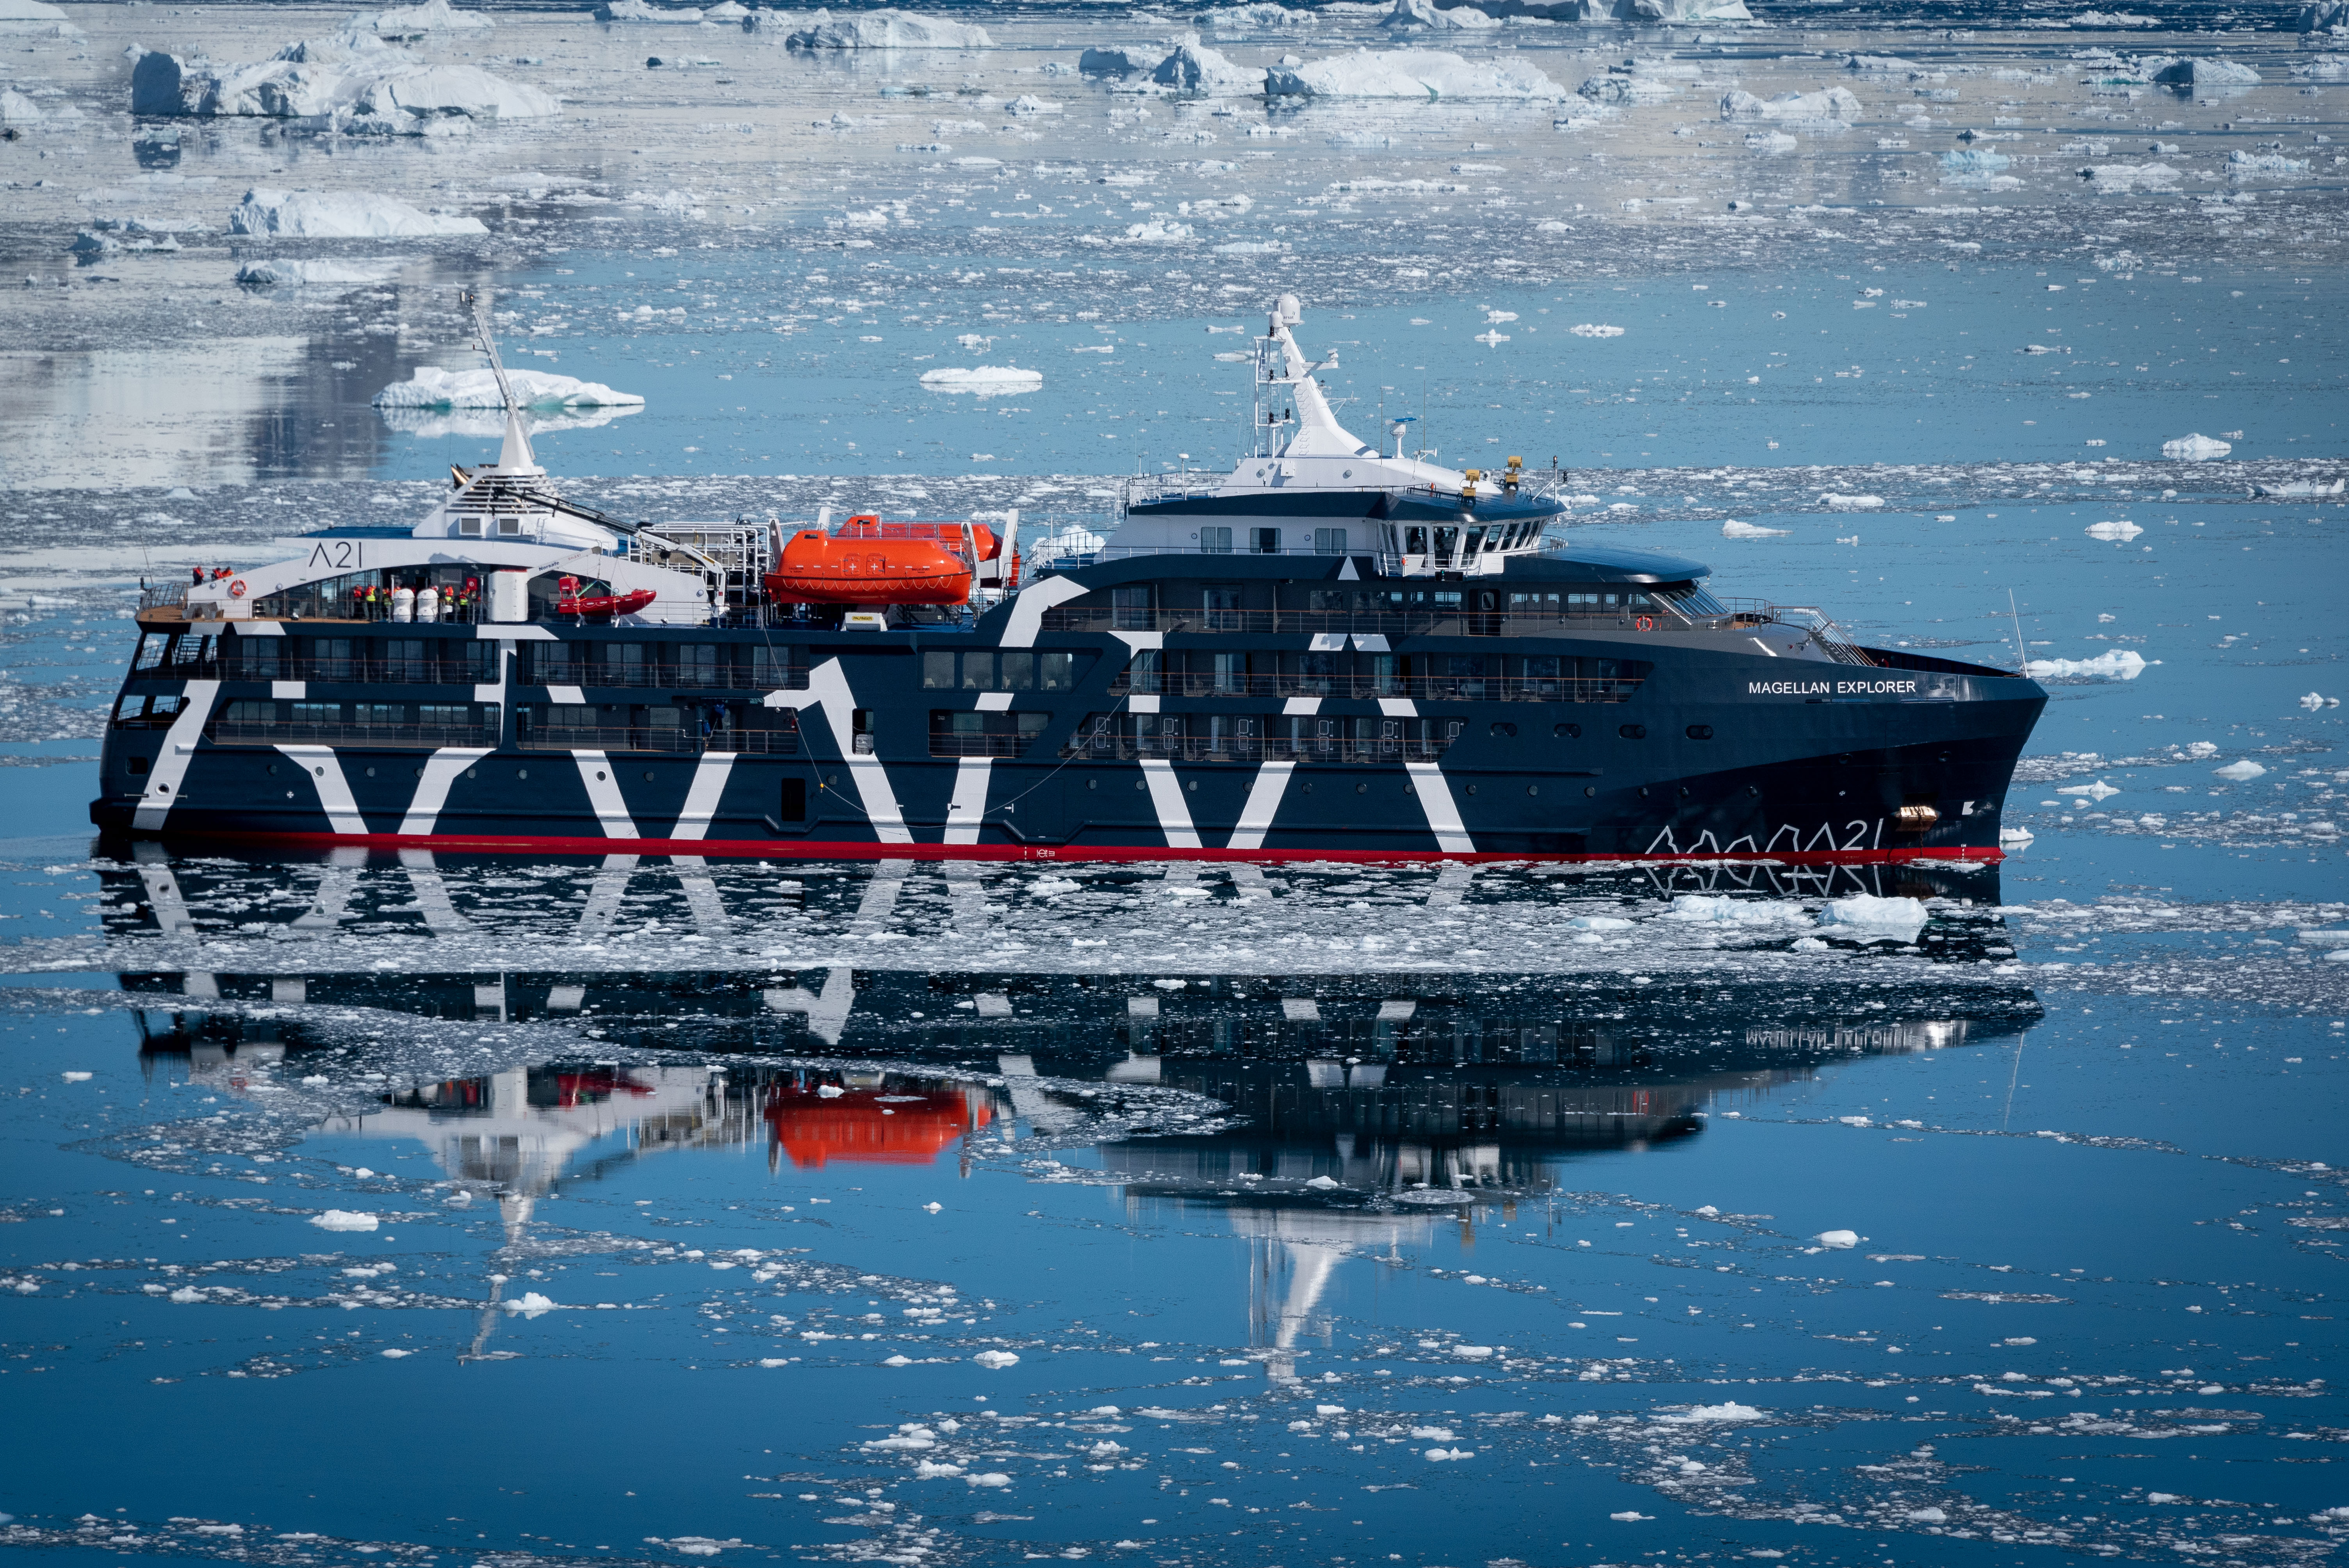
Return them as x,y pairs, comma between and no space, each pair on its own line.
1620,87
2114,179
344,1219
2120,531
331,78
984,380
1837,105
2295,488
341,215
2206,73
1428,74
1199,71
875,30
1595,329
2242,772
1112,63
1426,17
2258,165
432,388
2121,663
343,275
1837,1238
406,22
1850,502
1734,529
2317,16
1872,63
1261,17
16,109
637,11
33,18
2195,448
1732,1411
1718,909
1873,919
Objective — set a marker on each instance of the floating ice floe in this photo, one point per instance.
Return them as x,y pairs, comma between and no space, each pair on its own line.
358,83
873,30
1113,62
1195,70
33,18
2099,791
1441,1454
270,273
1593,329
2263,166
530,1304
341,215
2121,663
2206,73
407,22
2242,772
1699,1415
2315,700
2120,529
994,1361
1429,74
2116,178
1734,529
1880,63
16,109
1838,106
1622,87
1719,908
1841,1239
344,1219
432,388
2294,488
1771,141
2195,448
1157,231
1425,15
626,11
982,380
1874,919
1850,502
1262,17
990,1477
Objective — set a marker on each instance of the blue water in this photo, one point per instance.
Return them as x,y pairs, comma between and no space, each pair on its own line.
1788,369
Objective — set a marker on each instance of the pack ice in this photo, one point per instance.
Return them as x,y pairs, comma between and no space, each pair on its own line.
436,388
1430,74
1837,105
872,30
983,381
340,215
360,82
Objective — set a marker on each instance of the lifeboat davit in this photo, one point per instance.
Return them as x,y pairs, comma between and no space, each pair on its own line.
570,601
872,563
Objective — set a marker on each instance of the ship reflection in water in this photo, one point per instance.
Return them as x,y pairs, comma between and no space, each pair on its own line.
1326,1118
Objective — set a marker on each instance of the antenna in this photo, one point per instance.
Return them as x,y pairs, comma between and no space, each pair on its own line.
516,453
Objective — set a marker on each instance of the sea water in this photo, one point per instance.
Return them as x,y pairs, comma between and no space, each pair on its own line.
457,1211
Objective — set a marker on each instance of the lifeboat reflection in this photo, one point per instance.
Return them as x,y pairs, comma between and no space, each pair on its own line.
866,1119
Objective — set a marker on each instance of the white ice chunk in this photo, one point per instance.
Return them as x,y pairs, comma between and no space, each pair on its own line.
2195,448
2119,528
530,1304
1112,62
1850,502
995,1360
637,11
876,30
1839,105
1196,69
419,21
983,380
2207,73
2240,772
2121,663
432,388
2114,179
1875,919
1734,529
1837,1238
344,1219
344,275
1426,16
341,215
1426,74
1719,908
1593,329
1696,1415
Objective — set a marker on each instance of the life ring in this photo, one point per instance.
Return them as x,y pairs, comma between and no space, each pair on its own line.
1647,623
236,589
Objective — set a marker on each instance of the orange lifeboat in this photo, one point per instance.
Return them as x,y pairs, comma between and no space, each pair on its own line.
866,1127
870,562
570,601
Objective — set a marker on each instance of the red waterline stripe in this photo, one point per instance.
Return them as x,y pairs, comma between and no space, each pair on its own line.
800,850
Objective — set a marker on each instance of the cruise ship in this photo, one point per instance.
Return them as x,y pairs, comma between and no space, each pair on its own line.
1334,651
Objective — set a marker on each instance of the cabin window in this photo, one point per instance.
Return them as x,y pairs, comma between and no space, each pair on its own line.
1264,541
699,665
964,732
256,658
509,527
1216,541
938,672
444,715
1009,671
379,713
1414,540
249,713
1533,604
1223,607
786,667
406,659
1130,610
152,650
1329,542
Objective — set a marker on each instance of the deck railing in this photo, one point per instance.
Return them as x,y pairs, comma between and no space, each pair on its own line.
1433,688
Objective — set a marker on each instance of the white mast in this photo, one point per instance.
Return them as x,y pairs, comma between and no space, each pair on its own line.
515,457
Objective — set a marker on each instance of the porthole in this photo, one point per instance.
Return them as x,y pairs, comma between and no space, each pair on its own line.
1141,784
1092,783
319,771
1755,790
522,772
272,768
472,773
370,773
1632,731
599,775
1567,731
420,773
1644,792
1193,786
1409,790
648,777
1532,788
1590,791
1685,791
1347,475
1699,732
1472,788
1362,789
1505,732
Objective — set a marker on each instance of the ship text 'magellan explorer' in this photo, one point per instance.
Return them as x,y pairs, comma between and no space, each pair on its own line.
1333,651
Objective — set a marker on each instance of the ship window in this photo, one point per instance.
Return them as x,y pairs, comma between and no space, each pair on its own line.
1264,541
379,713
1533,604
1130,609
937,672
1505,732
700,663
978,672
1216,541
1333,599
1414,540
251,713
772,668
1699,732
306,712
151,652
445,714
1056,672
964,732
1329,542
1223,607
569,715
